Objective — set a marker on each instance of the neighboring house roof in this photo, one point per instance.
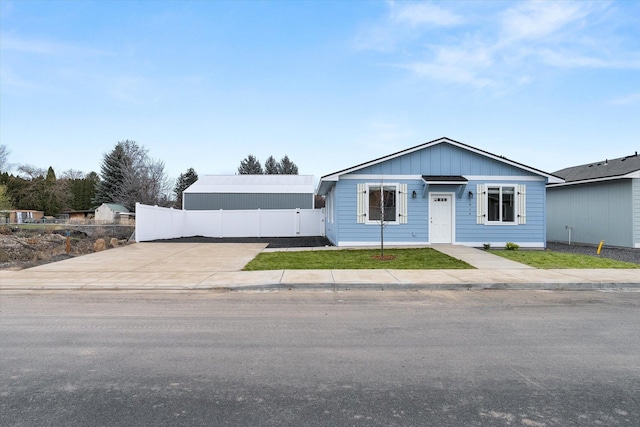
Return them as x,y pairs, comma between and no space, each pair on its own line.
622,167
115,207
253,184
325,181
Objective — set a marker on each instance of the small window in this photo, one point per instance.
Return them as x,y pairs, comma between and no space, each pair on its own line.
501,204
382,202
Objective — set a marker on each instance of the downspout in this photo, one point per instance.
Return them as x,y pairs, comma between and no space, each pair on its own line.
569,229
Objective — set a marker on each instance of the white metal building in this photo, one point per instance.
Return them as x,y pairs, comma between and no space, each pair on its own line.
249,192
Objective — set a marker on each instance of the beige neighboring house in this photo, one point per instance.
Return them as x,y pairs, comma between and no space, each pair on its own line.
20,216
111,213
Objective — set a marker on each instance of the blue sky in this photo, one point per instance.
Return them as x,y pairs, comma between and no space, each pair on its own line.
331,84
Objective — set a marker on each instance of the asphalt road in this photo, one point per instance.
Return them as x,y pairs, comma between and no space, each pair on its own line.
448,358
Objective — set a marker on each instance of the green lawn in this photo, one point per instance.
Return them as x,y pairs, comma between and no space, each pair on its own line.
549,259
406,259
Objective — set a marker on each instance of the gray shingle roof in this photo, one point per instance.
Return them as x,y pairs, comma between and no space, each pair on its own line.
602,169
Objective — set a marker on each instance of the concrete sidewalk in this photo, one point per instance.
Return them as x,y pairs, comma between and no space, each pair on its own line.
199,266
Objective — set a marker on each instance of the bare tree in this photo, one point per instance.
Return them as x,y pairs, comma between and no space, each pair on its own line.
31,172
72,174
130,176
4,154
383,203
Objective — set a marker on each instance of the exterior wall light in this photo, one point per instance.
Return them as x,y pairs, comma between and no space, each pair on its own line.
414,195
470,195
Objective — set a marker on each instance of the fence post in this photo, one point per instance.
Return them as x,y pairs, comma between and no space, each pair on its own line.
259,223
221,223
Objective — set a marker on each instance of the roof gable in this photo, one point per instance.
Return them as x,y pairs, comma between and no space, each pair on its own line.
614,168
436,158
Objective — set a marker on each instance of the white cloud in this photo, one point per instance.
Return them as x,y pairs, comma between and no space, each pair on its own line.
567,59
631,99
464,65
404,22
490,47
44,47
423,14
538,19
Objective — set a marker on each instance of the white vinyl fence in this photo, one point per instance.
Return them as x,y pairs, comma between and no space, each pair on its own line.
153,223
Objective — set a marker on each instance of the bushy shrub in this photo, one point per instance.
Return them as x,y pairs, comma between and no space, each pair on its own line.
486,246
510,246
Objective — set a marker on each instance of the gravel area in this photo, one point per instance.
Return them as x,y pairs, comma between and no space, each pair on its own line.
272,242
620,254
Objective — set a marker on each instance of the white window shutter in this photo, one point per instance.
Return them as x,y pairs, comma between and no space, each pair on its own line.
522,204
481,200
361,208
402,204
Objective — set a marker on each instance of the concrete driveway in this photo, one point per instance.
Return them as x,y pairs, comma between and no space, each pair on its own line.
142,265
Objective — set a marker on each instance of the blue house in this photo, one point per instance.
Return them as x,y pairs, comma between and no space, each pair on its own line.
441,191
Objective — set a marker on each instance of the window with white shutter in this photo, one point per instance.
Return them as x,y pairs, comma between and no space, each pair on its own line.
388,201
501,204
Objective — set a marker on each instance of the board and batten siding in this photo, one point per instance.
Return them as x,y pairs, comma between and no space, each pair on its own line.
595,212
247,201
442,159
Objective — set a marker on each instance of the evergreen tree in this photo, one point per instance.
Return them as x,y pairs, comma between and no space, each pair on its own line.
83,191
182,183
46,194
5,200
287,167
51,176
271,166
112,175
250,166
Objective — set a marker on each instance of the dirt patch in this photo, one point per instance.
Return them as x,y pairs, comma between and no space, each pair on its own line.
384,258
271,242
22,247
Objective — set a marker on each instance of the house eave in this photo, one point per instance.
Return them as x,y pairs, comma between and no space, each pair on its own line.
325,184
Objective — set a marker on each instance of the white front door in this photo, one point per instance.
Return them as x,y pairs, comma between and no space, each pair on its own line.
441,218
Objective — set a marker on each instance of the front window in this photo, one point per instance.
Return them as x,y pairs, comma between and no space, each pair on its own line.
382,202
501,204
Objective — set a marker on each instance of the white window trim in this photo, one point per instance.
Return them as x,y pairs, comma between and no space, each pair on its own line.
515,204
396,221
330,207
